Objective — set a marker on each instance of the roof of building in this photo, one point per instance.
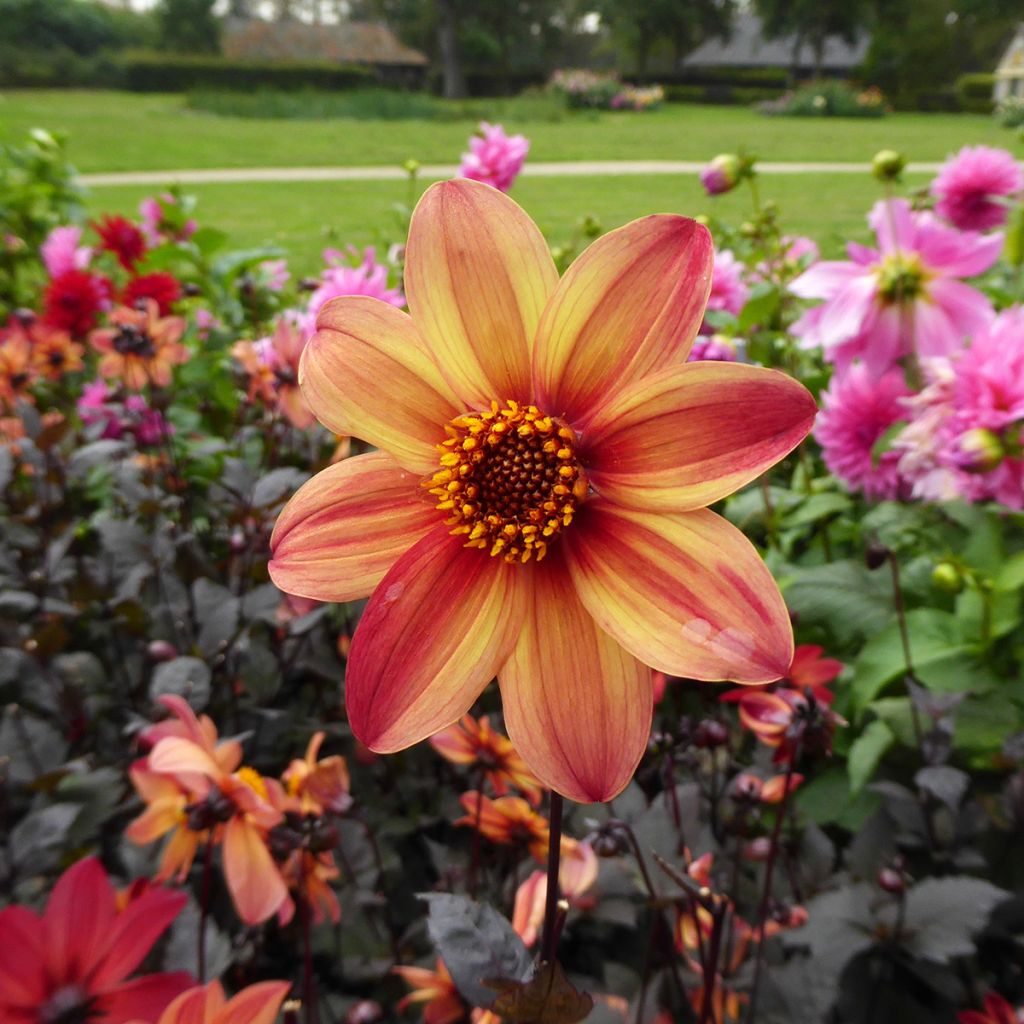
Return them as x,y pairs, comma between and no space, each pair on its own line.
347,42
747,47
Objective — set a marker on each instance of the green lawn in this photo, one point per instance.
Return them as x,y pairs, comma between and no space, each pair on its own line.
304,217
129,131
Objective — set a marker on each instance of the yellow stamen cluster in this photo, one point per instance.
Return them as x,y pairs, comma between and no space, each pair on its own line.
252,778
509,480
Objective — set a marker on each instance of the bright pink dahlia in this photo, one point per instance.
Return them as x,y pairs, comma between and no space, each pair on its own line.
988,396
969,186
729,291
904,297
494,157
718,347
341,278
62,252
857,410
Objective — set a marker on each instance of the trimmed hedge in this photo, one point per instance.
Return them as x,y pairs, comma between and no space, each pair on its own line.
744,78
738,95
143,72
974,93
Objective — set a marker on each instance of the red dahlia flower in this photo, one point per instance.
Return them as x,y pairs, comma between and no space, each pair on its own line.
160,286
73,301
120,236
571,453
71,963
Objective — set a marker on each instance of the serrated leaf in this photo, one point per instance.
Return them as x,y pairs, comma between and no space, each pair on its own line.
943,915
547,998
844,597
217,612
277,485
475,942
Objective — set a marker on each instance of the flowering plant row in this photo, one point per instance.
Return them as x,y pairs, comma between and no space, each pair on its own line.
829,832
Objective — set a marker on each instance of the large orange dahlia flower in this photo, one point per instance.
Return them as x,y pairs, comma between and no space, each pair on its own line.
537,507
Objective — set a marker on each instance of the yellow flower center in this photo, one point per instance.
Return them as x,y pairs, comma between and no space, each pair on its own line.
509,481
252,778
901,277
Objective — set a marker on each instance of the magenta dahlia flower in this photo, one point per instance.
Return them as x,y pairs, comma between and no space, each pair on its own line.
494,157
341,278
62,252
857,409
729,292
970,185
903,298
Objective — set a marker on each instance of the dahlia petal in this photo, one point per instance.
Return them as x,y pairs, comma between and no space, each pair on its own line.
143,998
631,304
687,594
935,334
23,979
966,307
77,920
257,1004
824,279
691,434
478,274
134,931
343,529
956,253
366,373
193,766
843,316
433,634
577,706
893,223
257,888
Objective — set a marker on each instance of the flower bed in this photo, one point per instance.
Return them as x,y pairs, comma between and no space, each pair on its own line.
758,672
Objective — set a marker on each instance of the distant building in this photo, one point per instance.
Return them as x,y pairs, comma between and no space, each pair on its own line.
1010,72
747,47
367,44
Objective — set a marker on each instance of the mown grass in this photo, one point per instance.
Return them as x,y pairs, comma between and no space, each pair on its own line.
111,131
304,217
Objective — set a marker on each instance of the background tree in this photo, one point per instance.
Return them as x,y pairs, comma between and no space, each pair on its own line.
188,26
813,22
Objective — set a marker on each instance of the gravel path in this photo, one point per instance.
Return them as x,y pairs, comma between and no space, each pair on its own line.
568,169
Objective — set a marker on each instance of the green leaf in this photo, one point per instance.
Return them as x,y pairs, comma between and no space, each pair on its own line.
758,310
1014,249
817,507
844,596
866,752
1011,576
934,638
885,442
827,801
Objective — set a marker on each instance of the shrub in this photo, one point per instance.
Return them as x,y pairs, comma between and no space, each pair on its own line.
150,72
828,99
975,93
1011,112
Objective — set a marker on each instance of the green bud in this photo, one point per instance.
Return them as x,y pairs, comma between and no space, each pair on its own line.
946,577
888,165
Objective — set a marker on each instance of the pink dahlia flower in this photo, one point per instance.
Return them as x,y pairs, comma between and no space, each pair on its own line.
988,401
729,292
904,297
717,347
61,251
857,410
341,278
969,186
494,157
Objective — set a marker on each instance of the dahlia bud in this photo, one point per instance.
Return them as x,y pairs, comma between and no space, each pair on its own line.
722,174
946,577
711,733
888,165
892,880
759,849
411,167
161,650
366,1011
875,555
979,451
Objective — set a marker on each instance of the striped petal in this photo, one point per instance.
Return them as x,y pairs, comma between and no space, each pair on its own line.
257,888
477,276
341,531
577,706
631,304
366,373
690,434
687,593
257,1004
432,636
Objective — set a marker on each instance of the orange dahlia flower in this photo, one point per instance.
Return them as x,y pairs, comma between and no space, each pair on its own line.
472,741
570,453
140,347
206,1004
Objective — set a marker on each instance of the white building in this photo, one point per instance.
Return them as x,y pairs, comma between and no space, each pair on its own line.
1010,72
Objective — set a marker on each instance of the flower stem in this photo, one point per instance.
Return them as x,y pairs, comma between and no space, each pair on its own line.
308,981
766,895
550,938
474,861
901,618
204,908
